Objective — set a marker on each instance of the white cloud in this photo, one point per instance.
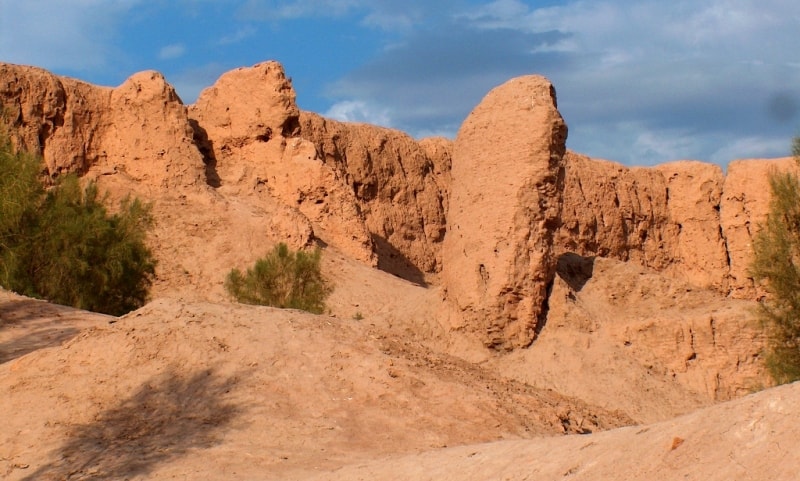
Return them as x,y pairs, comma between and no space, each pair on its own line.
359,111
388,15
645,81
638,81
756,147
634,142
170,52
272,10
637,144
651,147
447,131
241,34
59,34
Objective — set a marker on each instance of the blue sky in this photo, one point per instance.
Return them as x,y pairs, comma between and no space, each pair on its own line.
639,82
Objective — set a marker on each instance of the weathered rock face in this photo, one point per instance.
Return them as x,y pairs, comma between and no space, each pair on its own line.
139,128
248,104
149,136
745,203
137,139
400,186
55,116
512,204
505,202
694,196
372,192
656,346
613,211
666,218
685,219
248,123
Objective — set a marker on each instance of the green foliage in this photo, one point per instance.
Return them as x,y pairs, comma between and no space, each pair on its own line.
64,246
20,192
776,263
284,279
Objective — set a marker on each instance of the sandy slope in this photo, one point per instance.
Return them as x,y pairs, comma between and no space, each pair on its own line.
187,389
753,438
209,390
181,390
27,325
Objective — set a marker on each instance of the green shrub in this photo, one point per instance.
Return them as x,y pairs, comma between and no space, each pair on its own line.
62,244
284,279
21,193
776,264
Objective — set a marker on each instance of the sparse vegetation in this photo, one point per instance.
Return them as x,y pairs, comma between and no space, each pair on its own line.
62,244
776,264
284,278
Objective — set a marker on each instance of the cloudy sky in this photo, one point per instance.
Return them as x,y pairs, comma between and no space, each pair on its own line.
638,81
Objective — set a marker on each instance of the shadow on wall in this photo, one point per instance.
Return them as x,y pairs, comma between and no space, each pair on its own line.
394,262
167,417
575,270
206,147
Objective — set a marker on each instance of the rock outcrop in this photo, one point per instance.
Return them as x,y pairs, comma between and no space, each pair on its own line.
375,193
621,275
509,220
55,116
745,203
400,186
666,218
138,139
505,202
682,347
685,219
139,128
149,136
494,225
248,125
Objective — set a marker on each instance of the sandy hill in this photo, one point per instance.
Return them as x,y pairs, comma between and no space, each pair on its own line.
744,439
492,294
